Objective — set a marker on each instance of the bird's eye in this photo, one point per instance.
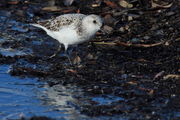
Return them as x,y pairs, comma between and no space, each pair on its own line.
94,21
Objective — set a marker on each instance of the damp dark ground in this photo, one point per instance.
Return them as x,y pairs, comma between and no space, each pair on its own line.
130,72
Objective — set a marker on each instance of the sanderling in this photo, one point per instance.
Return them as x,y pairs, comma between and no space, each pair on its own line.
71,29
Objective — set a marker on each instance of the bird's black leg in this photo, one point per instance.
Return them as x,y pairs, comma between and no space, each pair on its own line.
67,55
76,50
66,52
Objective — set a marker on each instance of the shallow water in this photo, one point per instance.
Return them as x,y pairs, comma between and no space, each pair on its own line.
21,97
27,97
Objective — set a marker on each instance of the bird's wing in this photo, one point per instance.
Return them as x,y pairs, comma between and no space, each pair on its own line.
55,24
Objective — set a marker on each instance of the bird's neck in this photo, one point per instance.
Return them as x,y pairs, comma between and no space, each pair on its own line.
88,31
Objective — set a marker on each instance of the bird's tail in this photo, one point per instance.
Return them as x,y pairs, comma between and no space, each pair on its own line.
40,26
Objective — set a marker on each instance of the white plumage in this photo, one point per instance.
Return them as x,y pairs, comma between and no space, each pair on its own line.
71,29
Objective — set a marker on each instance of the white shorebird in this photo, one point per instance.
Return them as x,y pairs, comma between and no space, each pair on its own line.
71,29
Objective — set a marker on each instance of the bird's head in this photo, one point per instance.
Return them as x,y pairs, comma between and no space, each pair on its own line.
92,23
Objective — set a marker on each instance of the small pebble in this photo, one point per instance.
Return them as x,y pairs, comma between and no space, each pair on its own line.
109,20
121,29
130,18
107,29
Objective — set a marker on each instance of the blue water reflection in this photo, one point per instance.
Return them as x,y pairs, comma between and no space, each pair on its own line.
20,97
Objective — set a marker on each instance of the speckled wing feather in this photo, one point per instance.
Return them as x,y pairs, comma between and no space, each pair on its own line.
57,23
